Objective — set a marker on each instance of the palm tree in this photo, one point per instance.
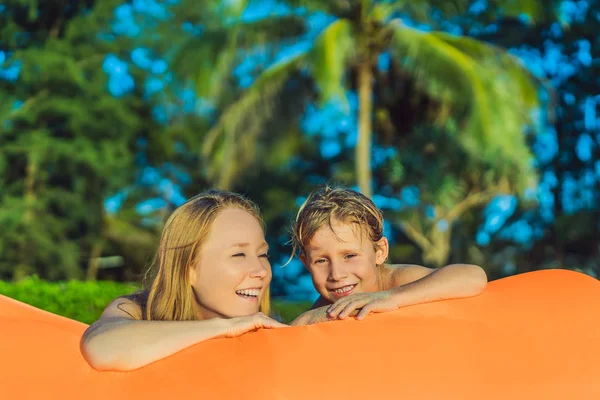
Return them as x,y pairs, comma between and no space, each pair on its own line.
480,85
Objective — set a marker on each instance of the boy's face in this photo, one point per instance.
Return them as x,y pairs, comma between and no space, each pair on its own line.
344,262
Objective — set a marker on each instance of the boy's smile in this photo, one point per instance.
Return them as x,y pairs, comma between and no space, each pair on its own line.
343,290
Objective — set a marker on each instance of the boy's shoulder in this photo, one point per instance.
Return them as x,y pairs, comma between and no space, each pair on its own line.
401,274
400,267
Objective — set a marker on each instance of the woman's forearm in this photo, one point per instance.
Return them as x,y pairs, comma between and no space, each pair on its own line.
123,345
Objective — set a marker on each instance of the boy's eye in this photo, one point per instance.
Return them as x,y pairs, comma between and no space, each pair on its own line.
320,261
265,255
350,255
239,255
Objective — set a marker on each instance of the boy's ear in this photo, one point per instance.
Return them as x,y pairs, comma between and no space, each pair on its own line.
383,250
304,260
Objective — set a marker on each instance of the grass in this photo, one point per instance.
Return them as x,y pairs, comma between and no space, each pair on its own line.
85,301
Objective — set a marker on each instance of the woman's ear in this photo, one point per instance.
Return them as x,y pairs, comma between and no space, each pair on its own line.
382,250
192,272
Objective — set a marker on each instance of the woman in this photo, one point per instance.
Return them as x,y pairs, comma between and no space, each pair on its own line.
210,279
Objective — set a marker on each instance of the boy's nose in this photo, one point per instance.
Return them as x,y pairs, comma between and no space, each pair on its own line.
337,272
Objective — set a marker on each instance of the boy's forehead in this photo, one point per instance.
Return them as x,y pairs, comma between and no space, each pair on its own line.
344,232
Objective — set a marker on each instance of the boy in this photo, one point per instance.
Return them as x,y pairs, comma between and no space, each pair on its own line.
339,234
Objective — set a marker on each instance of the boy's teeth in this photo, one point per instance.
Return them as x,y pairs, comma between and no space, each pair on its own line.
344,289
249,292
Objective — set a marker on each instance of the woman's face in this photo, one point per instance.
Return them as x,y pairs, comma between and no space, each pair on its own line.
232,272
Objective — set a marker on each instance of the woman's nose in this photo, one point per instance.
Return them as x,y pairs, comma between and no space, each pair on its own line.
260,268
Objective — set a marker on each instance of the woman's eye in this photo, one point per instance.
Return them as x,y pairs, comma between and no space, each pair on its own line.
351,256
265,256
239,255
320,261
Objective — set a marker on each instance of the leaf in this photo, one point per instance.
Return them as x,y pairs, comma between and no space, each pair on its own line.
338,8
209,59
488,86
122,231
333,50
420,10
235,134
536,11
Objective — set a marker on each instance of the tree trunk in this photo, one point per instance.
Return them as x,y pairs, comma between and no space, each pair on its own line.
438,254
364,174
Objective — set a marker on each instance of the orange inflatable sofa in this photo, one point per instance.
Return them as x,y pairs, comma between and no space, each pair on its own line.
528,337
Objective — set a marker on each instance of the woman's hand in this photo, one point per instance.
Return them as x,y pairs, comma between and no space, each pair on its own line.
240,325
365,302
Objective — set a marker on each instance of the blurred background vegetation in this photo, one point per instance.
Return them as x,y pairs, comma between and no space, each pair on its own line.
473,124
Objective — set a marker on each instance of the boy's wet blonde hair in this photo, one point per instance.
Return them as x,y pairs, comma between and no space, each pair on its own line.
327,203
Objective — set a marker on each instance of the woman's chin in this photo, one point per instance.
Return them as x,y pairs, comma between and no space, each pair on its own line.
243,311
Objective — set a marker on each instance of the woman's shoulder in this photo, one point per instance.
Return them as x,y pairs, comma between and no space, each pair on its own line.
133,305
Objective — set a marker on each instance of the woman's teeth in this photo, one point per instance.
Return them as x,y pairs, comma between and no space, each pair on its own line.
344,289
248,292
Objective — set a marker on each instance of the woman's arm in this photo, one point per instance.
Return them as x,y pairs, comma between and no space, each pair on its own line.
119,342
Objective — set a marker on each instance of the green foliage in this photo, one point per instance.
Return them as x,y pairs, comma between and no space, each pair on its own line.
482,89
487,90
482,97
71,143
208,59
288,311
235,135
333,50
85,301
81,301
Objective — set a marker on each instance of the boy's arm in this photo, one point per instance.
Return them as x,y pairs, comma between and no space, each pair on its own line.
312,316
316,314
413,284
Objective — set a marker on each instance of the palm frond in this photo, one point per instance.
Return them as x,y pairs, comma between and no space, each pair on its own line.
338,8
209,59
207,13
332,51
495,95
121,230
494,57
420,10
534,10
230,146
6,105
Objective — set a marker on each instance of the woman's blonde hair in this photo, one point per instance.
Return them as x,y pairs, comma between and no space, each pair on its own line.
169,293
346,205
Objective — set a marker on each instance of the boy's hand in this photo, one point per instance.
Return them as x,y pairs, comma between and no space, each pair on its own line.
366,302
